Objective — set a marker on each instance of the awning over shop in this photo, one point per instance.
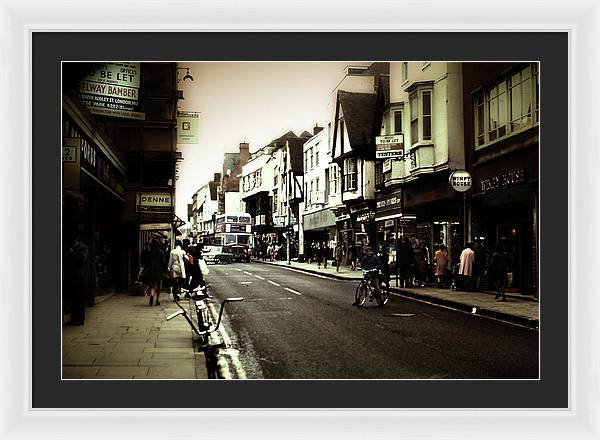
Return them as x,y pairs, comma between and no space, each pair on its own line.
319,220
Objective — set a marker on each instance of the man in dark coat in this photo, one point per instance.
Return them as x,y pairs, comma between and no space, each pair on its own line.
76,279
405,258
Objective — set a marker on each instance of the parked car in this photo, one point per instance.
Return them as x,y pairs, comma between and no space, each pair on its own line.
217,254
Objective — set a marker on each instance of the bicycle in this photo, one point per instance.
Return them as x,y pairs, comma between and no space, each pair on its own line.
204,322
365,289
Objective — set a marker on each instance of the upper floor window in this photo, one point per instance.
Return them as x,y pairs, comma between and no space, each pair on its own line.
350,174
316,156
404,71
329,138
397,122
506,106
306,160
333,179
420,115
311,158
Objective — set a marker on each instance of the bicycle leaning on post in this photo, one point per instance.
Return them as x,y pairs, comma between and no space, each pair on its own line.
366,290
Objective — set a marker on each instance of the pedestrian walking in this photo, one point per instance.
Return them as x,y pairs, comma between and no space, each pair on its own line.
195,276
339,254
497,272
324,254
318,254
155,270
441,263
270,251
176,270
421,262
467,257
352,255
76,279
479,264
404,260
384,257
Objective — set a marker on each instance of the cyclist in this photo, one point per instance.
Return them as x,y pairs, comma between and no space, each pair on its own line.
370,262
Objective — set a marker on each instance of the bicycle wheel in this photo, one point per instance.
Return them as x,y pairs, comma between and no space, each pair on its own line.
384,296
362,292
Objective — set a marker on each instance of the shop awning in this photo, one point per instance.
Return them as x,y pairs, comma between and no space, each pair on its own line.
319,220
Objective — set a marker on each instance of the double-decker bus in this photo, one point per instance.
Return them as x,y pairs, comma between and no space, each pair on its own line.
235,232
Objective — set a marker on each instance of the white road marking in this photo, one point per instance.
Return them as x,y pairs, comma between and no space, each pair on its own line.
239,270
246,282
259,277
232,354
316,274
292,290
248,273
274,283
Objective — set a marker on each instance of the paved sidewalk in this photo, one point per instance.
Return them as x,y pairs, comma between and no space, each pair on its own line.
124,338
517,309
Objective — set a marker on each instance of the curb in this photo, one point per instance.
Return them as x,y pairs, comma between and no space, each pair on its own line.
532,324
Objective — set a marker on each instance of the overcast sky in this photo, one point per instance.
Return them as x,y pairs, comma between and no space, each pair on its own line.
252,102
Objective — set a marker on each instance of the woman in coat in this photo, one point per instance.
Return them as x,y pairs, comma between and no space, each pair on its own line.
467,258
155,269
441,262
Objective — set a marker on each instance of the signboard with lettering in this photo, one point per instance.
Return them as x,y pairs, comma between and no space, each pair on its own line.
504,180
187,127
387,165
461,180
112,89
389,146
71,166
154,202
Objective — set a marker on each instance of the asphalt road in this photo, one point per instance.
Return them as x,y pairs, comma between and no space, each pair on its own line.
294,325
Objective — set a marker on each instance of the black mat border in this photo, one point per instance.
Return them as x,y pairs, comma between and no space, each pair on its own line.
50,48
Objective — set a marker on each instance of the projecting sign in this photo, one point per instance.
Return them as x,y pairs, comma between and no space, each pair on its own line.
111,89
387,165
187,127
71,163
460,180
389,146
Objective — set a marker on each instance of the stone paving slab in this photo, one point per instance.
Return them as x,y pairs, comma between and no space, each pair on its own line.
124,338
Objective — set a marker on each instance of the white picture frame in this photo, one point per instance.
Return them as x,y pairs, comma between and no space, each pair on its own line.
581,19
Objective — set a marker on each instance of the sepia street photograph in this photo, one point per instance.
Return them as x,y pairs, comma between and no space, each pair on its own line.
306,220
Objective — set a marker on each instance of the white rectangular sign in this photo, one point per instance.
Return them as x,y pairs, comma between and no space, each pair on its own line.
387,165
389,146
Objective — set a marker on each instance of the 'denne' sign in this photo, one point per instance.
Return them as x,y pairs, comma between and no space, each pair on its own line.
460,180
155,202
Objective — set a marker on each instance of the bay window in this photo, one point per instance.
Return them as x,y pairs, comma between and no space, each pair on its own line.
507,106
420,101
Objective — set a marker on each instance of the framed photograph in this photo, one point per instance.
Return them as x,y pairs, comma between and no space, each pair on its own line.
499,111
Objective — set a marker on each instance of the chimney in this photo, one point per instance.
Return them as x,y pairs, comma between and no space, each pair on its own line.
317,129
217,177
244,153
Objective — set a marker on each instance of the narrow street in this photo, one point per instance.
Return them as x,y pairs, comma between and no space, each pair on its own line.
294,325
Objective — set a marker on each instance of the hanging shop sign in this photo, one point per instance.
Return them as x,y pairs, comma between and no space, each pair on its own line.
112,89
187,127
342,217
389,146
358,207
279,221
154,202
504,180
460,180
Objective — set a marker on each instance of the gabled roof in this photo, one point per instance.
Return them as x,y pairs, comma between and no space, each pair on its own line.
359,113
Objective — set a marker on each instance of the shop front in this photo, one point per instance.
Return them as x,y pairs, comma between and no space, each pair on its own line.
319,227
93,199
437,212
505,215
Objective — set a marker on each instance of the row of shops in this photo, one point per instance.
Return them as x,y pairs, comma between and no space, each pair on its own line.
501,208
